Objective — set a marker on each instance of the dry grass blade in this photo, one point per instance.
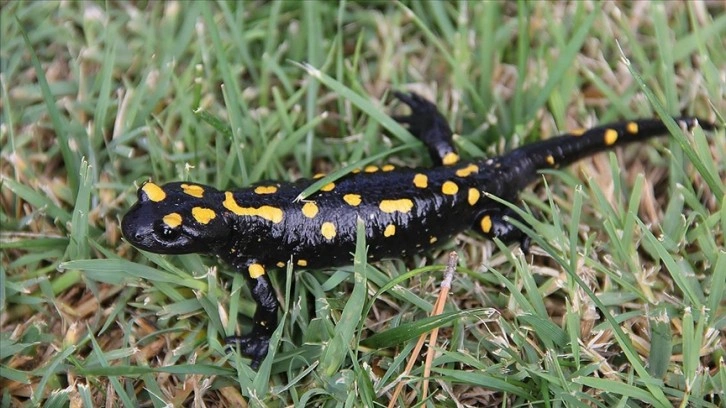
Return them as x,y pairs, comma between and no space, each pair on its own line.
438,309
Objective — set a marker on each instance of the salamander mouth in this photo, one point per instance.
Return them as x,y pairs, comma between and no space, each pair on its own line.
144,231
137,232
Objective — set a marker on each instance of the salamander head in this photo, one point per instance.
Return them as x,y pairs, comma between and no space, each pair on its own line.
177,218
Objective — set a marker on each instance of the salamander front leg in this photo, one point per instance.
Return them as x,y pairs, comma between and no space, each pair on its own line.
492,225
428,125
256,343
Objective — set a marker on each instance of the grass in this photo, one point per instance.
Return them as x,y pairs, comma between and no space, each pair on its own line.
621,302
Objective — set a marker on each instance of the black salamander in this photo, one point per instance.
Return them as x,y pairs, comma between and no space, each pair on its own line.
406,211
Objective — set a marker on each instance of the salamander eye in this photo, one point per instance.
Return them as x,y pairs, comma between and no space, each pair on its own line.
165,232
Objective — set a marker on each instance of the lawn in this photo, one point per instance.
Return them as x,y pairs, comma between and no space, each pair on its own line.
620,301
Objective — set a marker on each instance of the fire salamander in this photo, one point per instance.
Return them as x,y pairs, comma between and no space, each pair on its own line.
406,211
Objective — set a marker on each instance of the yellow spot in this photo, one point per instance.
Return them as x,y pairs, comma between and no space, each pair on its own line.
432,240
632,127
328,187
611,136
550,160
420,180
267,212
449,188
466,171
256,270
319,175
280,264
486,224
193,190
473,197
450,158
266,190
370,169
154,192
172,220
356,170
403,205
389,231
578,132
302,262
388,167
352,199
310,210
328,230
203,215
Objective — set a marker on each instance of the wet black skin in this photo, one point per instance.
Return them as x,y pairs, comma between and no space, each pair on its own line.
429,214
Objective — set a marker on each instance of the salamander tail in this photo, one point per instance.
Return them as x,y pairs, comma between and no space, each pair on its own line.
568,148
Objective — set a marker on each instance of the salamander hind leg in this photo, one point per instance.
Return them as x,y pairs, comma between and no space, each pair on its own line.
428,125
256,343
492,224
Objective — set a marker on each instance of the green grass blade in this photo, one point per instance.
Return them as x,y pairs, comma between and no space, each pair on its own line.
661,344
339,346
60,124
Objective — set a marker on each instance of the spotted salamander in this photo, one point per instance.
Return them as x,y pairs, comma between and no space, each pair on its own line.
405,210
